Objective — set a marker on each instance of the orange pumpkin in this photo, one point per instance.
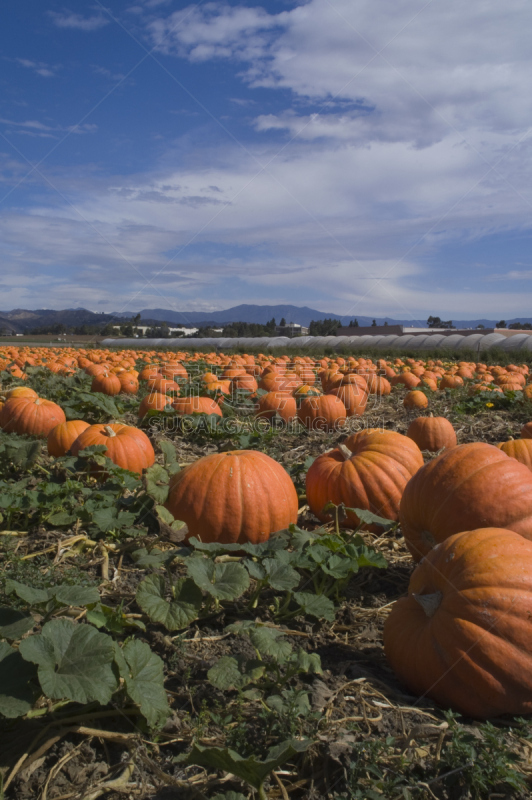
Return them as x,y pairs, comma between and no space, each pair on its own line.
449,381
62,437
196,405
415,399
323,413
106,383
520,449
406,379
156,401
369,471
21,391
30,416
463,635
353,397
377,384
237,496
274,403
127,447
467,487
128,383
432,433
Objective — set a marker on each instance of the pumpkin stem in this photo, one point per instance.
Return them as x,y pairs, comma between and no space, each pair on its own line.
345,451
429,602
109,431
38,401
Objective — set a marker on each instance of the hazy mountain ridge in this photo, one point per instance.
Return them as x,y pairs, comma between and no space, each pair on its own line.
21,320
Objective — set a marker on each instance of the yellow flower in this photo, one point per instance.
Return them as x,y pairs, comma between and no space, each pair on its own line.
489,405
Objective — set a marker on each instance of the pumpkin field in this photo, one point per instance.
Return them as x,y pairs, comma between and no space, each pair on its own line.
229,576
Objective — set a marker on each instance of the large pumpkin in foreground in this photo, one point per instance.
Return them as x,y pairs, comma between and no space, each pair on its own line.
127,447
369,471
237,496
467,487
463,636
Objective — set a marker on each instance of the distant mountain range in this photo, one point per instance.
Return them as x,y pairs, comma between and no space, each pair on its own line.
301,315
21,320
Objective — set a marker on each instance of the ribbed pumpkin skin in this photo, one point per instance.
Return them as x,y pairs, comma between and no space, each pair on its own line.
127,447
373,478
196,405
128,383
62,437
520,449
274,403
21,391
432,433
415,399
467,487
406,379
30,416
106,384
154,400
353,397
238,496
474,654
323,413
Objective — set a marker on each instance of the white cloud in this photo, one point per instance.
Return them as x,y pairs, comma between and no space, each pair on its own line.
35,128
39,67
344,193
68,19
422,68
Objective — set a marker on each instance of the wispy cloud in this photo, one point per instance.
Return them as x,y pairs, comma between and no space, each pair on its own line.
107,73
512,275
68,19
39,67
36,128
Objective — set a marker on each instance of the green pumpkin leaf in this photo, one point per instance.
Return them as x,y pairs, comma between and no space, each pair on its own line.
105,519
75,662
270,642
165,515
168,451
61,518
28,593
255,570
368,518
175,614
14,624
251,769
157,483
16,692
281,577
77,595
224,581
317,606
226,674
145,681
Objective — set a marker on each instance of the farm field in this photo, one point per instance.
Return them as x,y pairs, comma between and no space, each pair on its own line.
162,636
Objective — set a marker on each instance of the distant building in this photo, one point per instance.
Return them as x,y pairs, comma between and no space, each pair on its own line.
400,330
171,331
291,329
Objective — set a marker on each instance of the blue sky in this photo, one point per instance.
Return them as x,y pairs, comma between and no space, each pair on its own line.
367,157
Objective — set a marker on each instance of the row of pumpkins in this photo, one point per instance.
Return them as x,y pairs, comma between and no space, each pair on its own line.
463,635
321,395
